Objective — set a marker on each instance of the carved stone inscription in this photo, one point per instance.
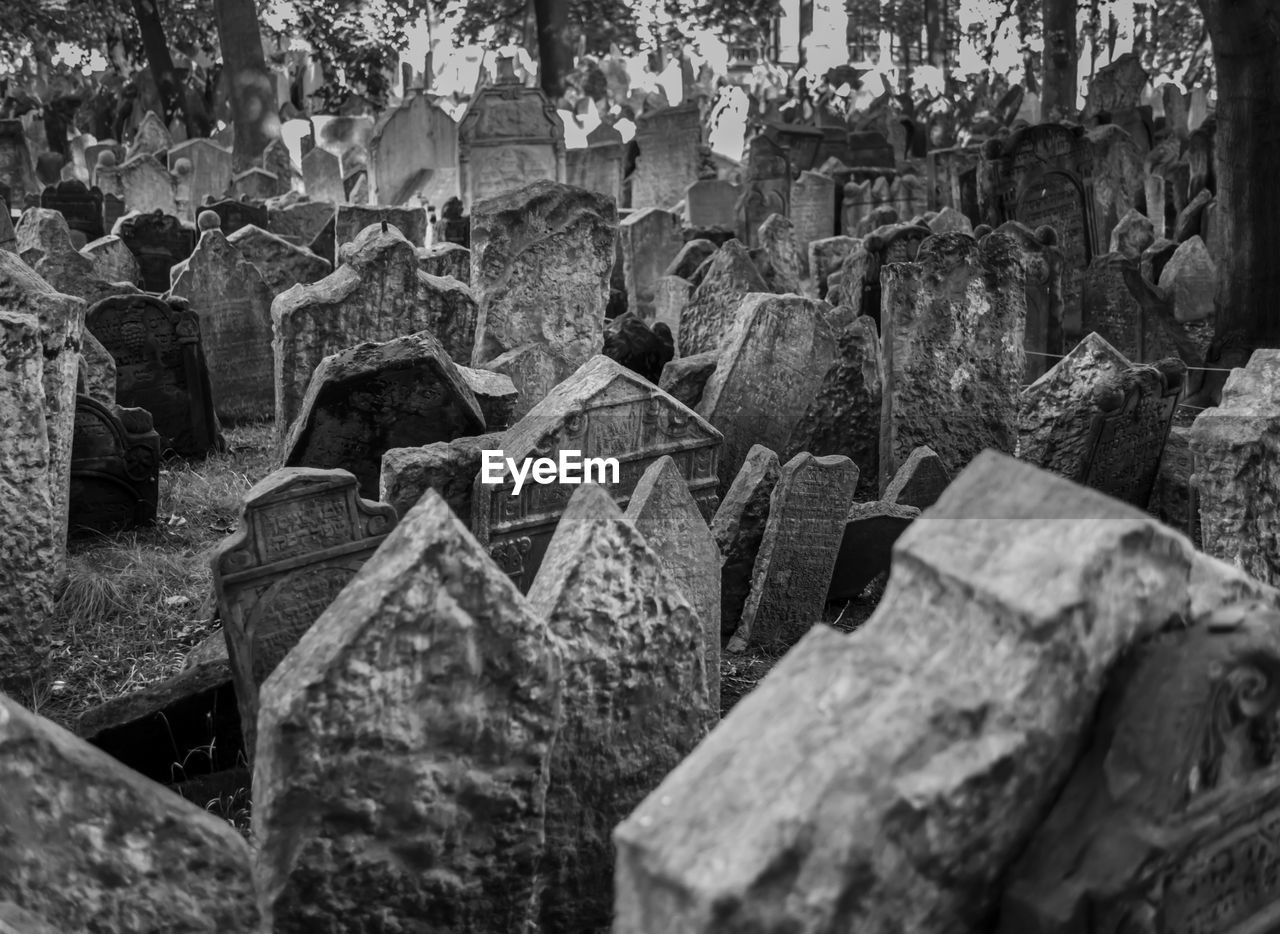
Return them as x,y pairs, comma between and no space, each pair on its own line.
303,535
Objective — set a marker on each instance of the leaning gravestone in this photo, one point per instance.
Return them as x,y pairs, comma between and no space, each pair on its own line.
115,469
667,164
93,846
663,510
281,263
151,138
772,363
510,136
160,367
159,241
373,397
712,307
233,303
303,535
540,263
376,711
953,350
738,527
792,572
112,260
887,731
866,547
625,632
602,410
255,184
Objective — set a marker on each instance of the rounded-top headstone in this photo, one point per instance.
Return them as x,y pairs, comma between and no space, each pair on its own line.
106,159
208,220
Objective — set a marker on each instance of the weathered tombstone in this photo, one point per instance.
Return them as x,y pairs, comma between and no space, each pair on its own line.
650,239
160,367
79,204
446,260
235,214
298,219
598,167
115,469
351,219
540,263
159,242
772,363
886,730
112,260
415,142
278,162
254,184
71,863
364,401
1042,262
233,303
210,169
860,283
44,244
302,537
827,257
510,136
952,179
449,469
663,511
151,138
797,554
668,161
843,417
601,411
866,546
1191,279
920,480
707,318
781,254
457,653
813,211
766,188
147,186
281,263
952,339
949,220
378,294
738,527
17,172
712,202
322,176
605,595
1132,234
1234,461
1116,171
1115,88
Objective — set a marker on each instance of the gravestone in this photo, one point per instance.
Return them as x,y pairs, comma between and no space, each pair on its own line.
624,632
1235,460
866,546
71,863
254,184
779,255
44,244
160,367
650,239
151,138
712,202
1042,262
449,469
112,260
952,179
766,188
540,263
598,167
147,186
738,528
456,653
510,136
112,209
235,213
953,349
276,160
860,280
115,469
1111,310
813,211
797,554
949,220
712,307
281,263
351,219
1132,235
663,511
843,416
303,535
322,176
668,160
210,169
233,303
602,410
446,260
299,221
919,481
17,173
414,150
772,363
159,242
1118,185
886,731
825,258
373,397
80,205
1191,279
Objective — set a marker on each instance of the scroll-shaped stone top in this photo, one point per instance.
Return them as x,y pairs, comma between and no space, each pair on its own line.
1247,409
515,220
563,418
1169,809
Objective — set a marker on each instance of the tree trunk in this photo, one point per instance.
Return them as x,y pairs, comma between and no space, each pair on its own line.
1058,98
935,32
1246,56
553,52
253,92
157,50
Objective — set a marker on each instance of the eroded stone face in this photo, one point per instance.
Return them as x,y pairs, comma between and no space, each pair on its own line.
92,845
376,712
710,312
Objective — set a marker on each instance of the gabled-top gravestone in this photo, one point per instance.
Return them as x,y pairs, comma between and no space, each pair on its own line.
601,411
416,142
510,136
80,205
322,176
151,138
668,160
159,241
160,367
303,535
377,712
599,166
210,169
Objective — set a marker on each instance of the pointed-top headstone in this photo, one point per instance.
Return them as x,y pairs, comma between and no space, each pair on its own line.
152,137
919,481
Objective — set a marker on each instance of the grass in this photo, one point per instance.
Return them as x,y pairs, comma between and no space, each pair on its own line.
135,603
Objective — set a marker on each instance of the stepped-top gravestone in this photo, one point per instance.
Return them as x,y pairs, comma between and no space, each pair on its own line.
668,160
603,410
376,712
303,535
510,136
160,367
